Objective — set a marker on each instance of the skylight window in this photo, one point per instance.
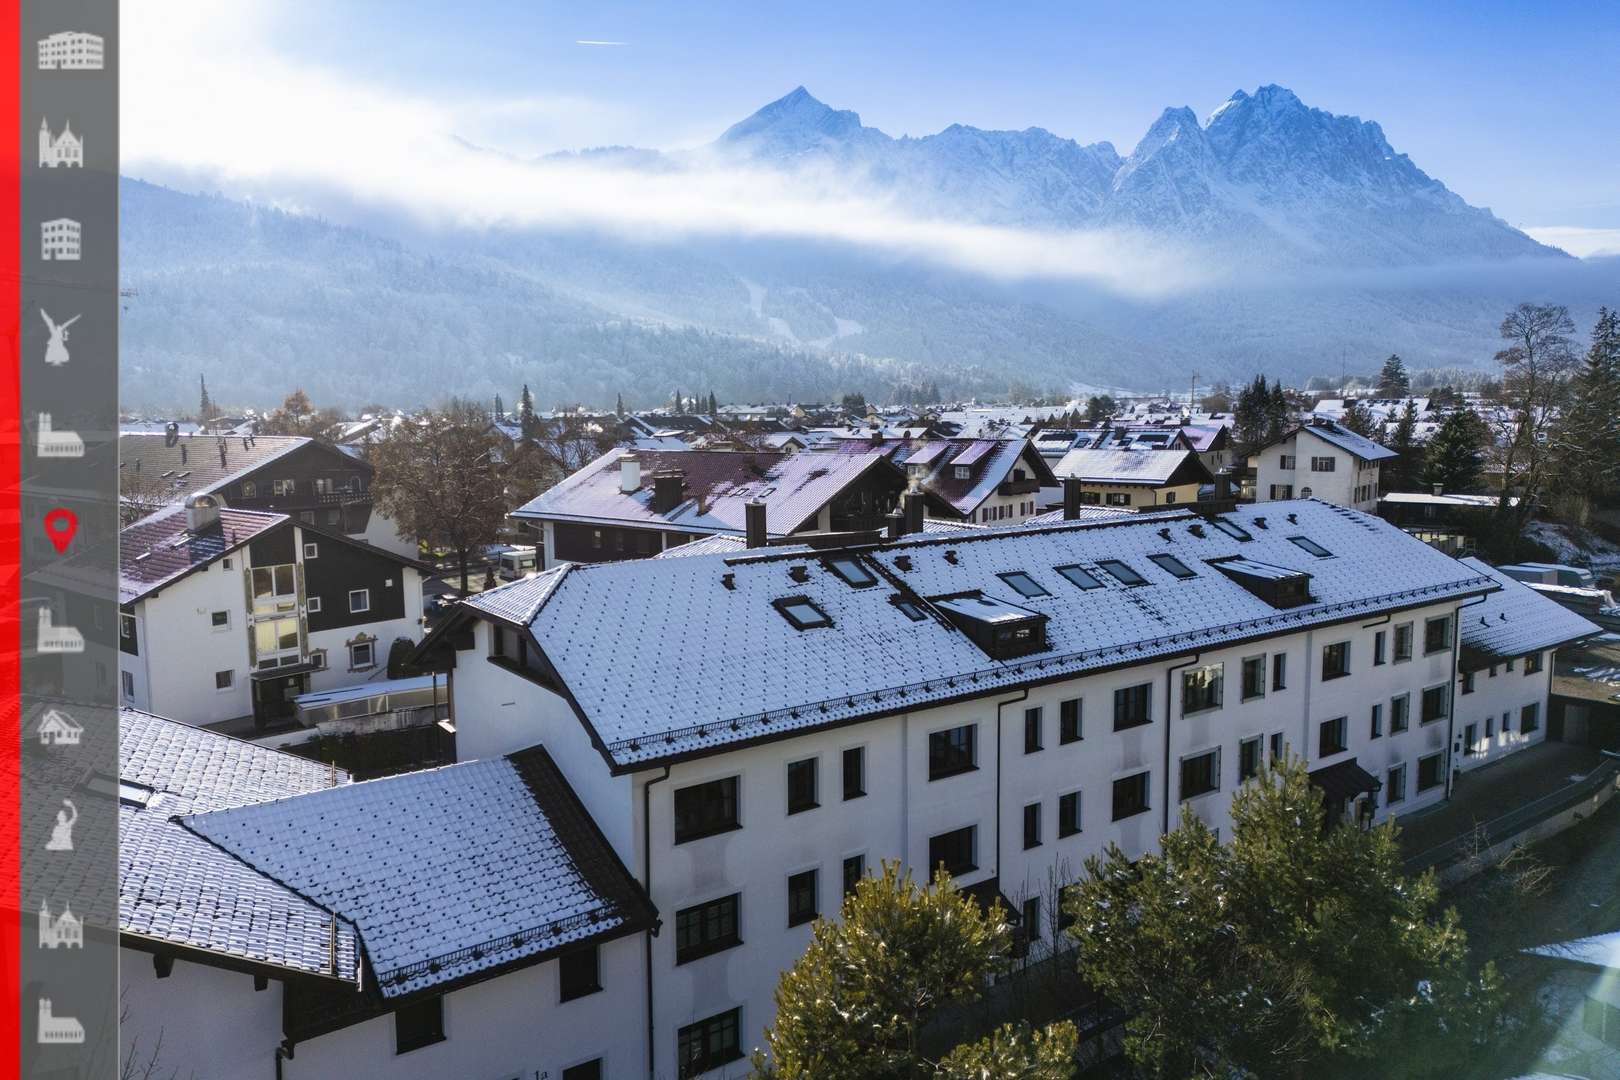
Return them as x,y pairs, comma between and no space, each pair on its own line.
1124,573
1079,577
909,608
1026,585
1172,565
1235,531
802,612
850,569
1305,543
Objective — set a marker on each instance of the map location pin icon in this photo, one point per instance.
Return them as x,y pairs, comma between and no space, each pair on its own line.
60,525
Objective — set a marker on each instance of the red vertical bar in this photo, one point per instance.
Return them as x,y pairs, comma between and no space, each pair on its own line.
10,523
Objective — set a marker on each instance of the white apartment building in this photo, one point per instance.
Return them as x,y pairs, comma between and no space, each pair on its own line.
1321,459
71,51
59,240
751,731
228,613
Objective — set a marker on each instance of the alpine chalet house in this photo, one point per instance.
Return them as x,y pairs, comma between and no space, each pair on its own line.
228,613
753,732
1320,459
303,478
1135,478
1505,669
278,922
633,504
983,481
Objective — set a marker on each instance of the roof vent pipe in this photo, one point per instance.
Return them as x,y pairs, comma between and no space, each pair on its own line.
1439,489
629,473
754,518
1071,498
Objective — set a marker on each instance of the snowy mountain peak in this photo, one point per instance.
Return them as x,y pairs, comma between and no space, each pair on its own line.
794,123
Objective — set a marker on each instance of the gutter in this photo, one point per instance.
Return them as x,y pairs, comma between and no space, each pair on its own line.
1169,709
646,885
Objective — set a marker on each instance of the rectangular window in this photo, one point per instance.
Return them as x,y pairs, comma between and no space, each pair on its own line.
1467,681
1082,579
312,551
1429,773
1375,728
1436,634
1032,730
361,656
313,605
801,785
1200,774
1130,796
1248,758
854,772
1507,721
1532,664
1530,717
1279,671
1069,721
1378,649
705,809
1490,725
802,613
1434,704
1172,566
1254,677
1032,919
1322,464
224,680
950,752
1201,688
704,929
854,870
1285,461
1119,498
359,601
126,627
708,1044
1281,492
418,1025
1331,736
1400,713
1121,572
802,890
579,973
1395,786
219,620
1276,746
1133,706
126,679
1403,643
953,850
1032,826
1310,547
1068,814
1470,740
1335,660
1025,585
281,487
852,571
585,1070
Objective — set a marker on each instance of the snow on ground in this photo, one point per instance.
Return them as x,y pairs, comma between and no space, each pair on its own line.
1574,547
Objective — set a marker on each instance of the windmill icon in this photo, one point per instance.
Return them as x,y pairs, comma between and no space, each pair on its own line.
56,351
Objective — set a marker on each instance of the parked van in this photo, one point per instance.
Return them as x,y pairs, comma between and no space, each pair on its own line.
515,563
1542,573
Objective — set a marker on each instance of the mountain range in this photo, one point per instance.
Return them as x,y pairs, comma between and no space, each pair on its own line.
1320,245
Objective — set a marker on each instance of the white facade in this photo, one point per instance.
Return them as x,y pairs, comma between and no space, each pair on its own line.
1502,708
901,808
1305,465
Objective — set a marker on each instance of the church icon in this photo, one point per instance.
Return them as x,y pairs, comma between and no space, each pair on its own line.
56,639
57,728
57,1030
66,149
59,931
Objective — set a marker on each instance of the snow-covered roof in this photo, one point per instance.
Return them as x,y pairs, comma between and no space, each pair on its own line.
176,888
751,673
1338,435
1515,621
446,873
161,548
366,690
1087,513
1154,467
1421,498
1599,951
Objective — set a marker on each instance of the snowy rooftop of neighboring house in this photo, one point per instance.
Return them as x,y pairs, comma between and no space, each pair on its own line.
1515,621
1087,513
1133,467
1598,951
717,484
1429,498
445,873
988,462
161,548
176,888
1131,438
1338,435
752,673
150,464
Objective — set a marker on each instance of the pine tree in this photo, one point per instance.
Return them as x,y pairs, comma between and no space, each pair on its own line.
525,410
618,409
1393,381
500,408
205,410
1589,432
1452,460
1401,474
714,406
1359,419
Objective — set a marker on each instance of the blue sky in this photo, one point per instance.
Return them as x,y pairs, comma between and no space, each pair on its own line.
1511,105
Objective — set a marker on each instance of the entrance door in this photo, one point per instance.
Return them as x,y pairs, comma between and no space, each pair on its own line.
273,698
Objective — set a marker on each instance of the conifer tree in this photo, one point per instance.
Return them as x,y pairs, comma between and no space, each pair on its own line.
500,408
525,410
618,408
205,410
1401,473
714,406
1359,419
1589,432
1393,381
1452,459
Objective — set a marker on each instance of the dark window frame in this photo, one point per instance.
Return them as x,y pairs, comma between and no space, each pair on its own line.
710,823
1074,570
946,758
1025,585
854,778
1071,721
419,1024
709,1043
1332,736
1069,822
857,863
1032,825
1340,650
804,888
1034,722
1203,697
1258,687
799,799
1138,798
1140,694
579,973
844,567
962,842
1121,572
1441,695
1199,774
786,605
1251,754
1310,547
1173,566
710,927
1434,765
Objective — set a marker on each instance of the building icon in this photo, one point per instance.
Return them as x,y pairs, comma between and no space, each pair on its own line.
59,931
57,444
56,639
71,51
59,240
66,149
57,728
57,1030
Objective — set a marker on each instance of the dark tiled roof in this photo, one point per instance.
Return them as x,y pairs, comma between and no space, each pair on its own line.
194,462
159,550
1515,621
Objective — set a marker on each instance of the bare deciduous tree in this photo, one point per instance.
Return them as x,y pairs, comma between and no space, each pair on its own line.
1537,363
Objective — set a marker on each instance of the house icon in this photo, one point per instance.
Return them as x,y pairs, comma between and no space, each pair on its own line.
57,728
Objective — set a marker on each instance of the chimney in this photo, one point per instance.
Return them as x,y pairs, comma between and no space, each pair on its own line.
1071,498
171,433
202,513
629,473
667,491
912,502
754,511
182,453
1439,489
894,525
